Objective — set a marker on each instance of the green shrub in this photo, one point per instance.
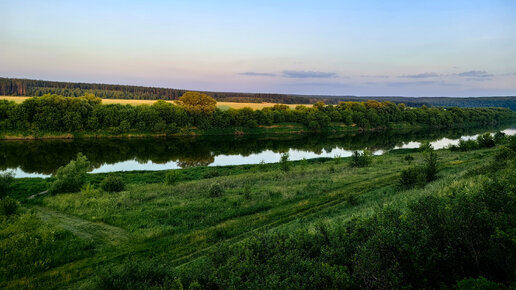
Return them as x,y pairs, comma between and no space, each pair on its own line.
499,137
8,206
430,167
425,146
173,176
71,177
284,165
216,190
137,275
409,158
6,179
89,190
361,159
412,177
113,183
486,141
467,145
503,154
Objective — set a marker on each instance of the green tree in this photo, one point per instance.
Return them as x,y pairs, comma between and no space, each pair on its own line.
6,179
198,103
71,177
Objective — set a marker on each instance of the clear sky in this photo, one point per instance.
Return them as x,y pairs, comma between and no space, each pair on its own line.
410,48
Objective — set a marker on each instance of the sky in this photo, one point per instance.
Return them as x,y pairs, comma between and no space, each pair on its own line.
364,48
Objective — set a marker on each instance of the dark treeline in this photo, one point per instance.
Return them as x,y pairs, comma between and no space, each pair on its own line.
26,87
53,113
46,156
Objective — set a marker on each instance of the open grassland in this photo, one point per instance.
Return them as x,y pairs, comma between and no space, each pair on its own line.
221,105
178,225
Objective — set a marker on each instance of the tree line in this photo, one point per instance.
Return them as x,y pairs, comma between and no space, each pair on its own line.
27,87
54,113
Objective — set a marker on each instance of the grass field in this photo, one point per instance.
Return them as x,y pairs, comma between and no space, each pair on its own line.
179,224
221,105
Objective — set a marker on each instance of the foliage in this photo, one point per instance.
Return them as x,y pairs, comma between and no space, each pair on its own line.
409,158
6,180
137,275
430,166
486,140
361,159
173,176
425,146
412,177
113,183
89,189
71,177
216,190
51,113
284,164
197,103
8,206
30,246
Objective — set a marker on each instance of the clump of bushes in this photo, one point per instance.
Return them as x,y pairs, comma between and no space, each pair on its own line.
6,179
425,146
422,174
173,176
113,183
216,190
8,206
71,177
89,190
361,159
284,165
486,141
409,158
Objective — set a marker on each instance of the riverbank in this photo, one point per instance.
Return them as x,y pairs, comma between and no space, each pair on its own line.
185,231
278,129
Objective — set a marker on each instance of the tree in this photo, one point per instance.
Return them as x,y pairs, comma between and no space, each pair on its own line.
71,177
197,103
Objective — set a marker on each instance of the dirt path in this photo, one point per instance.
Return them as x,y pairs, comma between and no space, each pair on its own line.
84,229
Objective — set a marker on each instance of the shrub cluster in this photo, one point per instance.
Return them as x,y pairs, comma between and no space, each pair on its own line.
113,183
361,159
420,175
71,177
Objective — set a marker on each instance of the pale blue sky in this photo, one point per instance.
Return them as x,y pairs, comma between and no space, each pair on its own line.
411,48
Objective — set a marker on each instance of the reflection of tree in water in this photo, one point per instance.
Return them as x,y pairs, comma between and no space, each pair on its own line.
45,156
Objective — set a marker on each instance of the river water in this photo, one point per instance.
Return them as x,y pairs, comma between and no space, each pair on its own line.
41,158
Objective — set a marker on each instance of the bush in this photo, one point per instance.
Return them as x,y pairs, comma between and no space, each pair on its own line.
409,158
499,137
89,190
412,177
137,275
284,165
360,159
6,179
486,141
173,176
216,190
113,183
430,167
425,146
467,145
8,206
71,177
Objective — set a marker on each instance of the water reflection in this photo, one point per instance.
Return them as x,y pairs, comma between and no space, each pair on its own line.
43,157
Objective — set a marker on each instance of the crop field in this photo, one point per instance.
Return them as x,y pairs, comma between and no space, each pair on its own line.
221,105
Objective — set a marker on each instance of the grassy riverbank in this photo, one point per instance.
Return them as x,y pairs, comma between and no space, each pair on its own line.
91,237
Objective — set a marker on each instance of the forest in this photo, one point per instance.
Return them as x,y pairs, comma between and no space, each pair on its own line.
54,113
27,87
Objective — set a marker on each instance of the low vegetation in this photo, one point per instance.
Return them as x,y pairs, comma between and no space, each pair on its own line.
322,224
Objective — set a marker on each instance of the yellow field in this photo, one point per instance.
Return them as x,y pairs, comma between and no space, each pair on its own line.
222,105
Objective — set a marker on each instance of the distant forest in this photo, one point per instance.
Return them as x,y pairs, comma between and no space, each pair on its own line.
27,87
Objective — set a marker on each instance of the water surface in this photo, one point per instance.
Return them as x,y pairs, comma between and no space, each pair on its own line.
43,157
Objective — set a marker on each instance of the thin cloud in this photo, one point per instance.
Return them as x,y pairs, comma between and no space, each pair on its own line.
420,83
257,74
422,75
308,74
475,74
